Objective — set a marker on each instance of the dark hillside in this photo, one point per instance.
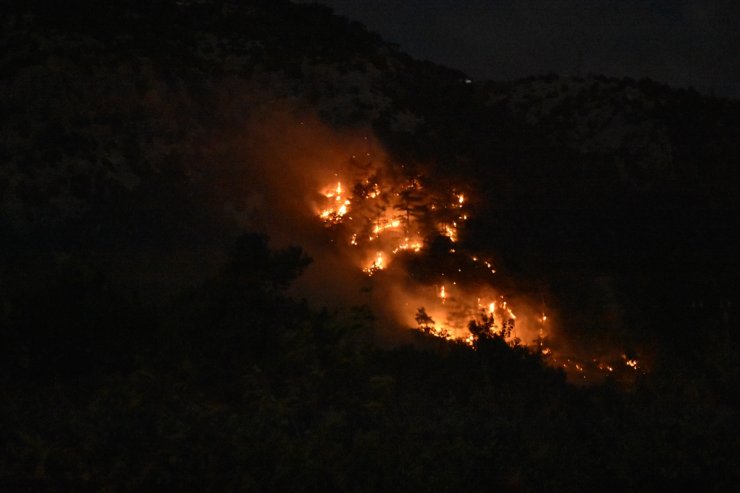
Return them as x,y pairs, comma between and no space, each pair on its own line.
148,336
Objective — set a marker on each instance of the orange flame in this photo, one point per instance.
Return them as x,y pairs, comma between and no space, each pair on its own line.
387,220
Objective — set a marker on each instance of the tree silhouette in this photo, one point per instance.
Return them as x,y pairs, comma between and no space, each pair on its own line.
485,327
425,322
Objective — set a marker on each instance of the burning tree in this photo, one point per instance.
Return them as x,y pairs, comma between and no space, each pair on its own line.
408,223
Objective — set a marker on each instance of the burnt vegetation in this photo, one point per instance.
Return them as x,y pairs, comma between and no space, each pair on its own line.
148,342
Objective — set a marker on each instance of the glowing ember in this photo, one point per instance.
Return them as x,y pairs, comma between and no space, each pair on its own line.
379,228
397,219
407,245
448,231
373,192
337,207
384,213
377,264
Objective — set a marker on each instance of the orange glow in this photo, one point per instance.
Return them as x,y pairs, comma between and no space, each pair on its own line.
450,231
377,264
392,218
409,245
379,228
337,206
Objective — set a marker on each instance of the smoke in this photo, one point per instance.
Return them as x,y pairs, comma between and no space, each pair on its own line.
382,234
299,175
290,157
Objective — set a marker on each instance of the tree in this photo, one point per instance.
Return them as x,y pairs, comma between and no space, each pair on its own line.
486,328
425,322
254,265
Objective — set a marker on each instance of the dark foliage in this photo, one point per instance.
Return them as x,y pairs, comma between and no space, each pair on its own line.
110,382
235,386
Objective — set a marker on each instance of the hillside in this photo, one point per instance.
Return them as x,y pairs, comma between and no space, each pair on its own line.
153,338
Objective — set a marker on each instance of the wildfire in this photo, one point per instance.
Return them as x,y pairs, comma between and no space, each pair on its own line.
378,263
384,225
384,214
487,263
373,191
337,207
394,218
630,362
450,231
409,245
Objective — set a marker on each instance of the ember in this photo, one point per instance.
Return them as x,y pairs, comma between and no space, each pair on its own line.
395,218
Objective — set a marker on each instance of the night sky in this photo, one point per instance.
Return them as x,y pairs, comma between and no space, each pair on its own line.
679,42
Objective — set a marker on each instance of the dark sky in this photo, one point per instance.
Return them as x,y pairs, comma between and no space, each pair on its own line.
680,42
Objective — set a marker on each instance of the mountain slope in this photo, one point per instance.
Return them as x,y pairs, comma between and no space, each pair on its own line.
124,122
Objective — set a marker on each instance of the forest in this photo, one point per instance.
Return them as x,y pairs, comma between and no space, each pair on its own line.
236,386
156,332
